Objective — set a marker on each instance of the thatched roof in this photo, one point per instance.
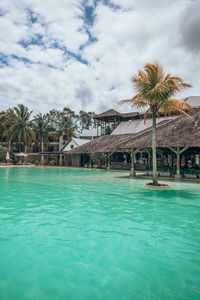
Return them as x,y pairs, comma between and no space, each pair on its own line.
102,144
181,132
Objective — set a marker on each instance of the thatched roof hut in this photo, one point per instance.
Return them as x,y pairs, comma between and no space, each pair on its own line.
181,132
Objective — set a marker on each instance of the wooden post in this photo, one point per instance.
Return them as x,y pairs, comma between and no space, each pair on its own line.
60,160
132,172
178,153
155,175
178,171
133,152
90,165
108,161
42,149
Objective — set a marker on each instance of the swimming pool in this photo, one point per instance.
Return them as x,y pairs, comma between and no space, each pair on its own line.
87,234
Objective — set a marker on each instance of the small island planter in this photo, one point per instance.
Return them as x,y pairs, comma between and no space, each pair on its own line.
164,174
150,173
190,176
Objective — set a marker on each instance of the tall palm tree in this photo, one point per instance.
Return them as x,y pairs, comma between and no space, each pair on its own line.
19,126
155,91
66,128
86,119
41,128
2,125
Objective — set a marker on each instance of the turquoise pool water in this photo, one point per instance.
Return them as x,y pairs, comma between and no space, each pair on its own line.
81,234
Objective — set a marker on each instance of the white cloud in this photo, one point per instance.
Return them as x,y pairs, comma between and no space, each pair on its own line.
49,71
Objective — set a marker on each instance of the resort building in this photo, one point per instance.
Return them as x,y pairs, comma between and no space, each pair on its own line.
73,160
129,144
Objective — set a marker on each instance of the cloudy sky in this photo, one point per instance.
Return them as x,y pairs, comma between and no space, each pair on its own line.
82,53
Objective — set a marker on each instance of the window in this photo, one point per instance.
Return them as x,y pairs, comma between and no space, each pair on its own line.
72,146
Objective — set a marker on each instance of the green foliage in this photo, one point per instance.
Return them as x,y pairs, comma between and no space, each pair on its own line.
37,163
195,172
86,119
155,91
31,159
52,161
98,158
19,126
41,129
63,122
108,130
164,168
3,152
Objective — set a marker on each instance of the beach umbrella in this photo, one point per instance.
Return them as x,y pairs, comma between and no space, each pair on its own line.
7,156
21,154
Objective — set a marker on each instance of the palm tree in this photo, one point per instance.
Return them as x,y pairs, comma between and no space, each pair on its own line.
155,91
86,119
2,125
66,128
41,128
19,126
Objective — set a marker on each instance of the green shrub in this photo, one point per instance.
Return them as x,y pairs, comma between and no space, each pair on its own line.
108,130
192,171
37,163
98,158
3,152
52,162
164,169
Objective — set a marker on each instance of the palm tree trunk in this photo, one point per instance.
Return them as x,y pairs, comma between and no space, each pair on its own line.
155,178
42,149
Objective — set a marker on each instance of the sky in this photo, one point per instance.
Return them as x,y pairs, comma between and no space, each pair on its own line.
83,53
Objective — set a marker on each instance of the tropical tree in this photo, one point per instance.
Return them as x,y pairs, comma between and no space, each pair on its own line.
155,92
98,158
2,125
41,128
3,152
63,123
19,126
67,128
86,119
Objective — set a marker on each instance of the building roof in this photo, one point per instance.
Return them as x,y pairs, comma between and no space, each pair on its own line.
78,142
107,113
130,115
112,113
101,144
180,132
193,101
89,133
137,125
